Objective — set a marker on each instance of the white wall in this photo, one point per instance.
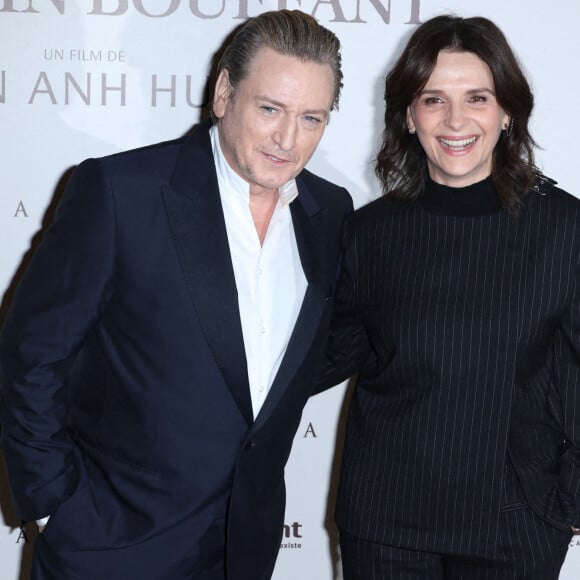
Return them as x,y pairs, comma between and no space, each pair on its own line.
48,45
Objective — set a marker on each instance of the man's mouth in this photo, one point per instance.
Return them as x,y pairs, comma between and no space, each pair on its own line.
276,159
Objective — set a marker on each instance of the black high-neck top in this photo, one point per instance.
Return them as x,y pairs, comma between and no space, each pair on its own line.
463,324
476,199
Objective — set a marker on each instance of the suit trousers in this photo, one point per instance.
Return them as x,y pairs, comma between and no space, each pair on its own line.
528,548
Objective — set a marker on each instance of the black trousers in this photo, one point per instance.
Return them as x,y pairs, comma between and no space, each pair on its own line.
528,549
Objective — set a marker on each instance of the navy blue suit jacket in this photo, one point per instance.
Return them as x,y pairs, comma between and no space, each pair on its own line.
125,403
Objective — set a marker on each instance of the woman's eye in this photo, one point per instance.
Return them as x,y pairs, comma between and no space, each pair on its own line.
478,99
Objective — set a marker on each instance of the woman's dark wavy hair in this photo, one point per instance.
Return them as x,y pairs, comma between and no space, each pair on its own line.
401,164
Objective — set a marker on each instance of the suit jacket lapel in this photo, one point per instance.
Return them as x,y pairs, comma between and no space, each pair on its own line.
309,221
196,218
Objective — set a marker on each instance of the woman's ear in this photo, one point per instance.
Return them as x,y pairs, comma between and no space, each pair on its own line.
410,122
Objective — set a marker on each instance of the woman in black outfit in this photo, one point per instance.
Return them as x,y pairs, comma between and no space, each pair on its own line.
459,308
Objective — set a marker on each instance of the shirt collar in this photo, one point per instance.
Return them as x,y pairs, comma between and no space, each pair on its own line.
231,180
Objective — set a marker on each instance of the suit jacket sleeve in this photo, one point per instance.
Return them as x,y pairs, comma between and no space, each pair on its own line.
567,380
348,343
60,297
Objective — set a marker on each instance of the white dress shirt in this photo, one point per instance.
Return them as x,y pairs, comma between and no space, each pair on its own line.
269,277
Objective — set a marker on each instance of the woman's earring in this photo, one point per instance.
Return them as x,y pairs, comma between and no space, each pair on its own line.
509,128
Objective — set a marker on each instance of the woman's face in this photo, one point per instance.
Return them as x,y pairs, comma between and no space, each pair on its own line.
457,119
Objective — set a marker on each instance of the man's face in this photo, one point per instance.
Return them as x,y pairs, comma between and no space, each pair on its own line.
270,127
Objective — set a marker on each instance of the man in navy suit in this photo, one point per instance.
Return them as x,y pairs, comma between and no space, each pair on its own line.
162,343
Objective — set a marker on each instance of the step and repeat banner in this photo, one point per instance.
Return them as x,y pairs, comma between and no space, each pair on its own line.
85,78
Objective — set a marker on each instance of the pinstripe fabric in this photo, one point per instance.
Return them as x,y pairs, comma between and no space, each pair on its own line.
528,549
465,331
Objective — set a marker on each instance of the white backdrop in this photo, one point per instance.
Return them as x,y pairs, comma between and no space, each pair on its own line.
82,78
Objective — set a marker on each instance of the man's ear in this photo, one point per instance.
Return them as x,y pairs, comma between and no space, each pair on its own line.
222,93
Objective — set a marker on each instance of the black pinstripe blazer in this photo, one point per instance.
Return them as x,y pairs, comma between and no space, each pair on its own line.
465,332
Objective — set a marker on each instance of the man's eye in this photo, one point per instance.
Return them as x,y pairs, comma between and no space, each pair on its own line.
268,109
313,120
